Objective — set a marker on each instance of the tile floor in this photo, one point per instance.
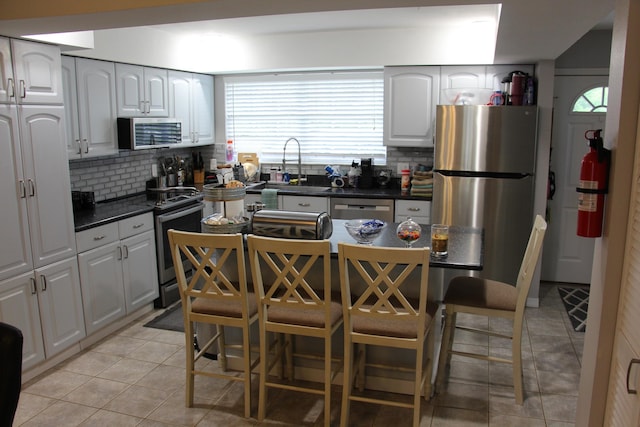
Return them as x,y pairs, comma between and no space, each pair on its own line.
136,377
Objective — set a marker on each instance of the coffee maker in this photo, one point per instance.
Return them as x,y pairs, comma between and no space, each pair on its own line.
366,178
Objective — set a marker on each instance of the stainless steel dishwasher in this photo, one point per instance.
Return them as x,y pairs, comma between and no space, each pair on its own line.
352,208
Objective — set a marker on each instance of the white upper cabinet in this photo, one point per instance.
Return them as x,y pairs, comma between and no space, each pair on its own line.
7,83
191,101
37,78
141,91
410,99
462,77
95,134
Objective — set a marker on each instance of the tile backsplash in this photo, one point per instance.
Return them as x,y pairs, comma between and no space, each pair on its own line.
127,172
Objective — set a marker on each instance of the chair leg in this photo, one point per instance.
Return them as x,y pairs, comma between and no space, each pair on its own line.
516,354
361,359
429,367
246,354
417,387
327,381
188,334
222,348
347,380
264,366
445,348
288,342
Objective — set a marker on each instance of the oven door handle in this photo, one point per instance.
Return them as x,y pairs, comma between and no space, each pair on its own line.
179,213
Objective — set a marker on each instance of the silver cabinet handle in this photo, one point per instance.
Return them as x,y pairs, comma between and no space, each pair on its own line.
32,188
97,238
631,363
413,209
86,145
79,146
119,253
22,190
138,225
11,88
126,251
43,283
304,205
23,89
197,136
32,282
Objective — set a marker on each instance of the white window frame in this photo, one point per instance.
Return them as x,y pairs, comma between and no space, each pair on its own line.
355,131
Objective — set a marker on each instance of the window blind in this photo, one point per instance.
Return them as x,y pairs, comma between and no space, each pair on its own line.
336,116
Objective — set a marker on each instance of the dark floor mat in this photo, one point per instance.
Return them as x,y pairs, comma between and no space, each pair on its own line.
576,301
171,319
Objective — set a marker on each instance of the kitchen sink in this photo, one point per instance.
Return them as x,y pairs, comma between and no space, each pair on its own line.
286,188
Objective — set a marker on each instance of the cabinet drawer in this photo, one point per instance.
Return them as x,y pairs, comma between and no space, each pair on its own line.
305,204
416,209
97,236
135,225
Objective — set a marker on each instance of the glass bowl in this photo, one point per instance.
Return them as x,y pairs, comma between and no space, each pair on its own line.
364,231
408,231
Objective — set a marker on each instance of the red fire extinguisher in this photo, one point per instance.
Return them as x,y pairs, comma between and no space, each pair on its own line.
593,185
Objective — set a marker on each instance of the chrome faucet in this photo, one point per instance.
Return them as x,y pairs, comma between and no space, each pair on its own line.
284,160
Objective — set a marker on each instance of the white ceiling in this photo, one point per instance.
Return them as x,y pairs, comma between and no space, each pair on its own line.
528,30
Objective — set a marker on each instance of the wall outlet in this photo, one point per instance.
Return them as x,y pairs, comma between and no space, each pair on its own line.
402,166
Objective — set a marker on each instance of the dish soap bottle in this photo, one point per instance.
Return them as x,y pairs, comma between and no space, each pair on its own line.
229,151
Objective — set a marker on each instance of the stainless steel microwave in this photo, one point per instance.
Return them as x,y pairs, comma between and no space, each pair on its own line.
136,133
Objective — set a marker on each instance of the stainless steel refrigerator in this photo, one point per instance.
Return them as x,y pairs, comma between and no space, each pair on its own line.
484,163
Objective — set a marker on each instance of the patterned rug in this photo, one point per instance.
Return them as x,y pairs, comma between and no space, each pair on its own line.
576,301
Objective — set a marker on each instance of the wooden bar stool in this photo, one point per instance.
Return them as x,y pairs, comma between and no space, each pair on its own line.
212,296
493,299
386,314
292,282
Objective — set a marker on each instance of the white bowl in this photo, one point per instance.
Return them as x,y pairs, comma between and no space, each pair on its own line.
365,231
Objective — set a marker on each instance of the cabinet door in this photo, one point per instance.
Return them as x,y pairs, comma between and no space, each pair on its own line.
180,103
139,270
102,286
37,72
495,74
202,95
70,91
410,99
15,253
96,107
19,307
60,303
418,210
7,83
48,187
462,77
156,92
130,90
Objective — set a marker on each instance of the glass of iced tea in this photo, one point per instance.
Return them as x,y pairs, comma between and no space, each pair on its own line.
439,240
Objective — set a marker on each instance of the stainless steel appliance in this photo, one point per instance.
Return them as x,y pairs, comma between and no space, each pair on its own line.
484,163
136,133
354,208
176,210
290,224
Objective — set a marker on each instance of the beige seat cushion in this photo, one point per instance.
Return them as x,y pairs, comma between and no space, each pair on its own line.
219,307
484,293
313,317
391,327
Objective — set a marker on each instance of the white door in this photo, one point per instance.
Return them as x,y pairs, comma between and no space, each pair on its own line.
202,97
566,256
180,105
37,72
156,92
7,83
139,270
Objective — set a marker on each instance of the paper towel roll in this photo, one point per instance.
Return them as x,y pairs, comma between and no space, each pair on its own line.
213,164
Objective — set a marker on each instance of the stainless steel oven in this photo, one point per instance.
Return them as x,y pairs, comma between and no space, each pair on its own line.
183,214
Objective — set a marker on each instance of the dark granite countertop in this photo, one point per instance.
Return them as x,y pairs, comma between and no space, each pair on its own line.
111,211
465,244
326,191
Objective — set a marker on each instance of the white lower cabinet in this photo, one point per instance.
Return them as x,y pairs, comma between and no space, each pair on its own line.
418,210
46,305
117,269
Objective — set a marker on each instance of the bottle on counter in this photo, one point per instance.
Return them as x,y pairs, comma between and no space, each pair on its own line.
405,181
229,151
